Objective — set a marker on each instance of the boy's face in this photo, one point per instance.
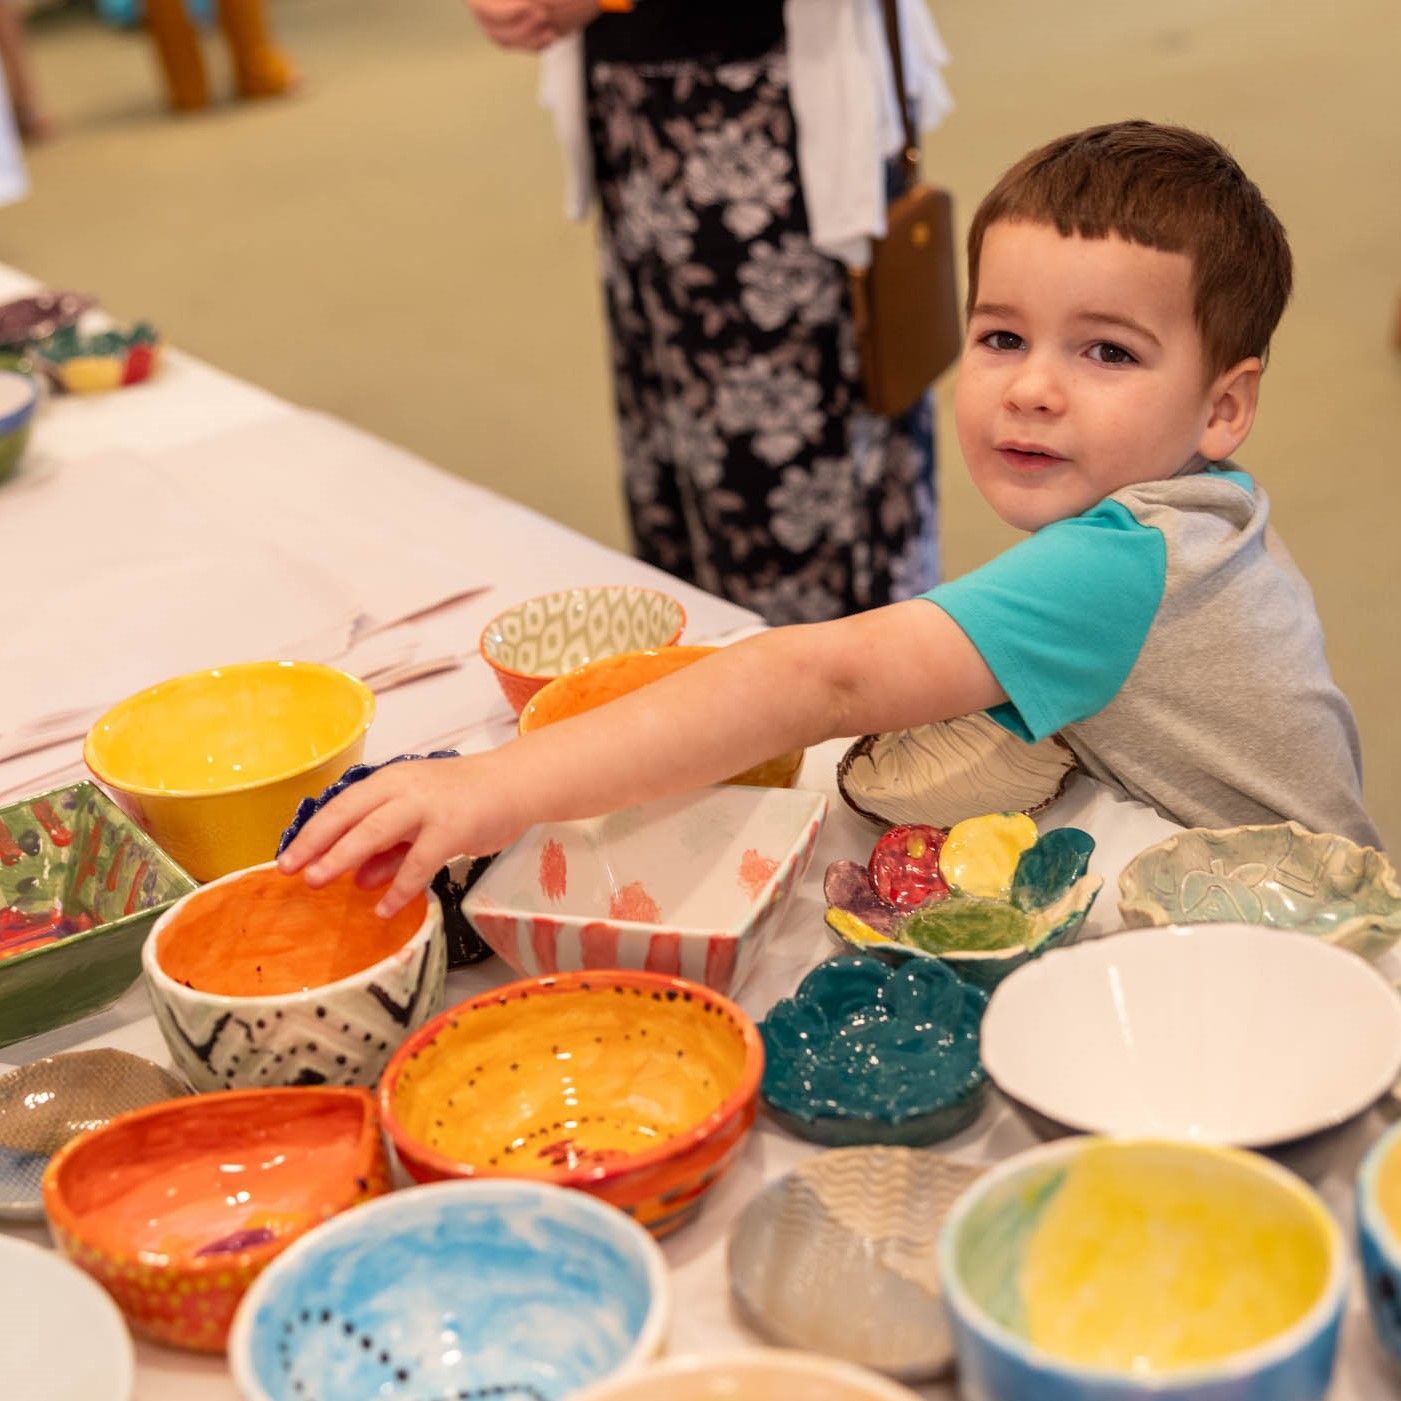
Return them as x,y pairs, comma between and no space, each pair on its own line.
1083,372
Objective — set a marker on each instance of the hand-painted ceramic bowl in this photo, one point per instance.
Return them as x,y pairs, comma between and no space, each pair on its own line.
1379,1237
258,980
514,1291
1111,1270
18,397
47,1102
610,677
1222,1033
80,887
633,1086
622,891
870,1218
1281,875
176,1207
214,763
79,363
981,939
755,1374
533,642
867,1053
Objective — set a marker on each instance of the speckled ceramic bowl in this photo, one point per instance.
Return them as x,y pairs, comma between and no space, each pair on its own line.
1379,1237
756,1374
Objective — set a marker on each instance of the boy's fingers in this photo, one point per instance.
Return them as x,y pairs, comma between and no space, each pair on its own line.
332,822
385,827
380,868
415,872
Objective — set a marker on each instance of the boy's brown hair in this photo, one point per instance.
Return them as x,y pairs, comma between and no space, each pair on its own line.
1168,188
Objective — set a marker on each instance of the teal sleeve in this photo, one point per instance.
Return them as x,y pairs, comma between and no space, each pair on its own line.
1061,617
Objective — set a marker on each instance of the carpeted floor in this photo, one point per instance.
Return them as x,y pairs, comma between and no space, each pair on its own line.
388,245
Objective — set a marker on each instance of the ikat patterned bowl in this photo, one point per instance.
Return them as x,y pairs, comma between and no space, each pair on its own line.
751,1374
507,1291
175,1208
80,887
336,1030
533,642
693,885
634,1087
1282,875
1379,1237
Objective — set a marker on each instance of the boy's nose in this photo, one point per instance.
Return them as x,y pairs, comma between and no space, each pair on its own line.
1035,388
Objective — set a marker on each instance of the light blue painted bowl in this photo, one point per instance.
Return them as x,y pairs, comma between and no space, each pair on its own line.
517,1291
985,1241
19,394
1380,1246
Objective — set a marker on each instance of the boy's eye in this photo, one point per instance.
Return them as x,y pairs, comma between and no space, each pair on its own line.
1002,340
1107,353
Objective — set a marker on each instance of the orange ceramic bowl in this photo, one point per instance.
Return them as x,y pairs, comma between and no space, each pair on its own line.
610,677
636,1087
175,1208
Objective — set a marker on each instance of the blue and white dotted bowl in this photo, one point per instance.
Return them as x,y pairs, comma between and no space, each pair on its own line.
512,1290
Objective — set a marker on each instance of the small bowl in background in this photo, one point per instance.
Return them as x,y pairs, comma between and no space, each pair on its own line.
1379,1237
531,643
213,763
80,886
175,1208
613,676
754,1374
19,396
693,885
257,980
479,1289
634,1087
1187,1305
1281,875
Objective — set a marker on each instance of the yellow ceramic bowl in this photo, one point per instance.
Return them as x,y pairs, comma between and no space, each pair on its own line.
610,677
214,763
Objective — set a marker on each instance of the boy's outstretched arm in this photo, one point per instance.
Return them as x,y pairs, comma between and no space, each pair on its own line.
903,665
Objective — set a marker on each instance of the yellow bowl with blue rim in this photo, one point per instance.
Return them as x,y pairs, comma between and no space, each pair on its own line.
1116,1269
213,763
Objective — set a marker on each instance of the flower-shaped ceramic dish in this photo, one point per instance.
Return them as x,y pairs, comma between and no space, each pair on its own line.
752,1374
1222,1033
867,1053
1051,894
1186,1306
692,885
940,774
214,763
869,1217
1379,1237
47,1102
635,1087
80,887
174,1209
514,1291
18,397
1281,875
533,642
82,363
610,677
258,980
61,1337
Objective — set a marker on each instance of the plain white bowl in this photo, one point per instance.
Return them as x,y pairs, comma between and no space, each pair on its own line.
1219,1033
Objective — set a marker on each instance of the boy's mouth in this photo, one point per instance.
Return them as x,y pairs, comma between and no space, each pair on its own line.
1028,457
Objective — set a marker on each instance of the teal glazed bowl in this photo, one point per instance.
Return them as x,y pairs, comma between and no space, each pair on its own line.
19,395
1379,1237
868,1053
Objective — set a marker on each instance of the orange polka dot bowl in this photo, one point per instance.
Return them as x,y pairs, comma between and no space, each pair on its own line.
632,1086
693,885
175,1208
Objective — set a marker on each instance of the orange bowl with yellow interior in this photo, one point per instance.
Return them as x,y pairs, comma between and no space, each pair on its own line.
610,677
635,1087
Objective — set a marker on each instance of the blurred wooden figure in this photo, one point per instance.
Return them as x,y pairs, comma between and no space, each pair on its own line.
260,68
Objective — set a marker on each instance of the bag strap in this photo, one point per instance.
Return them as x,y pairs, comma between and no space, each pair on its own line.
910,155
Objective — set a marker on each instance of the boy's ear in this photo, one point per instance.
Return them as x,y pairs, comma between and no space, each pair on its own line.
1233,398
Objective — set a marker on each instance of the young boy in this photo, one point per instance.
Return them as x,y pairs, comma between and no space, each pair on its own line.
1123,286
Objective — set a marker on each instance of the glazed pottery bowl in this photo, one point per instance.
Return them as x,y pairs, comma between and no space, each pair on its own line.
19,396
982,937
1379,1237
464,1289
45,1307
47,1102
693,885
1109,1270
1281,875
635,1087
80,887
82,363
756,1374
1221,1033
258,980
533,642
867,1053
607,679
213,764
869,1217
175,1208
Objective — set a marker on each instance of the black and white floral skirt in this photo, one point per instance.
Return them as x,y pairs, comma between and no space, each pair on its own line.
752,468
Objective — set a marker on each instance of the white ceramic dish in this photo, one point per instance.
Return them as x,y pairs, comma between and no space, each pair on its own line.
1218,1033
